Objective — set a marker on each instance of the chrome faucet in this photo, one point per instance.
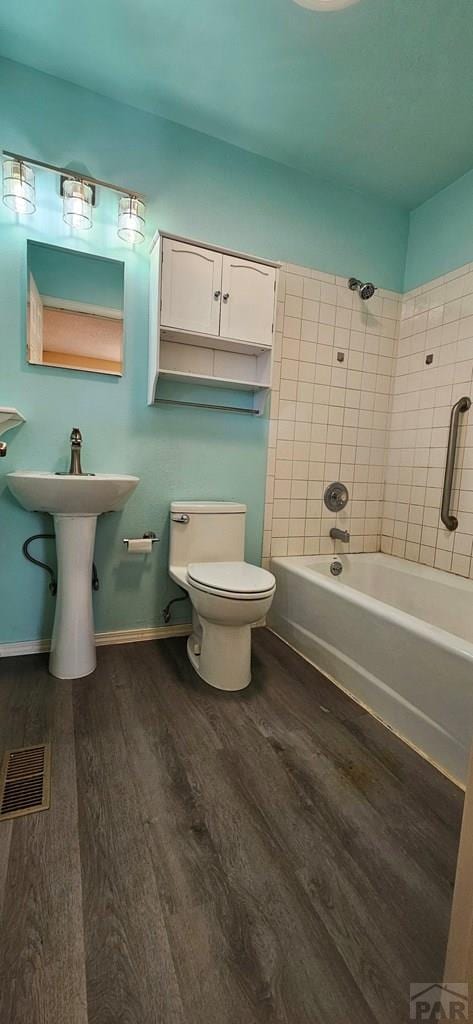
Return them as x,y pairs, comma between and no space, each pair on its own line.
75,468
3,448
337,534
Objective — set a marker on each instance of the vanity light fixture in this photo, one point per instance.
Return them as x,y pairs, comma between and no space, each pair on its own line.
325,5
78,192
77,203
18,186
131,220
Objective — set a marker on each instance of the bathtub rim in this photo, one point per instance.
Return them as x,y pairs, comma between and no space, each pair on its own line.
440,637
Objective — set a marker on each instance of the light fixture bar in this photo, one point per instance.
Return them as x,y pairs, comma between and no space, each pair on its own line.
67,172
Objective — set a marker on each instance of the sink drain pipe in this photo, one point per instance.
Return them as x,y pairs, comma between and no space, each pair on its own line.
48,568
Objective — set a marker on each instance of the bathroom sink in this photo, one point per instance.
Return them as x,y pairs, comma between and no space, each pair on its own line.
71,495
75,502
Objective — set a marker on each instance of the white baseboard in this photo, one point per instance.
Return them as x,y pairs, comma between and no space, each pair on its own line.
121,636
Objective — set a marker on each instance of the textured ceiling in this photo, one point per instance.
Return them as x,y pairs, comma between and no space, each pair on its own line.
378,96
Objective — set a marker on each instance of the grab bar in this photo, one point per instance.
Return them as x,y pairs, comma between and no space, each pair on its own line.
450,521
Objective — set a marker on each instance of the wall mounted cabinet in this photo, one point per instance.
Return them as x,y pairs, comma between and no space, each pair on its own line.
212,318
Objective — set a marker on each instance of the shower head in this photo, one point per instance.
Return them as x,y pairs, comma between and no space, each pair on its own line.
365,291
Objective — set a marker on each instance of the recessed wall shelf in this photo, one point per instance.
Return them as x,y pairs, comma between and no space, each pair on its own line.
9,418
212,315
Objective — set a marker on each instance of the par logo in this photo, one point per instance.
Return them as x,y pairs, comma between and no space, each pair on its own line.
431,1001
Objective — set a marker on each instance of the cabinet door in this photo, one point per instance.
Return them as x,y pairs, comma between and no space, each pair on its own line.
247,300
191,287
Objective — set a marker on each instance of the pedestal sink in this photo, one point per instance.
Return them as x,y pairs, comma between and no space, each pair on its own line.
75,502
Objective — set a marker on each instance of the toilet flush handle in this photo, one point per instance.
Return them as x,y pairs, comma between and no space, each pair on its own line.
180,517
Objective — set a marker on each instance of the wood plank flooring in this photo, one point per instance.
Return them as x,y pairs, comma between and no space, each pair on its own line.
275,856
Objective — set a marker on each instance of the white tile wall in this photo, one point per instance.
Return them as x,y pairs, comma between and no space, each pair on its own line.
436,319
329,419
378,420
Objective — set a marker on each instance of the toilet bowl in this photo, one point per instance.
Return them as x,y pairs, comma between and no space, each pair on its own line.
228,595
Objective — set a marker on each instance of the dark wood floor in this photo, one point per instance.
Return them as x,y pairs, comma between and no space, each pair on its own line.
273,856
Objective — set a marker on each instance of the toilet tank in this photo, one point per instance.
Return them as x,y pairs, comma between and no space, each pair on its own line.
212,531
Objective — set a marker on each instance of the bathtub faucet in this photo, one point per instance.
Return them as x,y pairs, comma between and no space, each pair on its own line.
337,534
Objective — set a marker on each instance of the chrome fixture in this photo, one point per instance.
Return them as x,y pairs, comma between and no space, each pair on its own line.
18,186
365,290
3,449
240,409
336,567
78,191
131,220
75,468
77,204
336,497
448,520
180,517
149,535
342,535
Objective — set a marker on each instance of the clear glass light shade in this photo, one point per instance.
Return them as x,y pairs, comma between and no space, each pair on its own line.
77,204
18,186
131,220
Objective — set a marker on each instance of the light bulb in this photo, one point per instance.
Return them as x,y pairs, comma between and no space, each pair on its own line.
18,186
131,220
77,204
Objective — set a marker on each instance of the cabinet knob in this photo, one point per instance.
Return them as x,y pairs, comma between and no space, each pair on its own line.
226,296
217,294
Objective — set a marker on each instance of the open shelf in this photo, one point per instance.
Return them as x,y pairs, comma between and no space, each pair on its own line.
218,382
212,341
212,366
69,361
9,418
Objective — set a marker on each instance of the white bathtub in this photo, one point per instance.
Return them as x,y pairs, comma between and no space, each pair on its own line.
395,635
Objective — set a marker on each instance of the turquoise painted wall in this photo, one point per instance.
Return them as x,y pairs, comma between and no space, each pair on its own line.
441,233
196,186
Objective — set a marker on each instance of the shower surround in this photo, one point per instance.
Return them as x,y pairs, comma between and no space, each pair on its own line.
377,420
436,324
334,359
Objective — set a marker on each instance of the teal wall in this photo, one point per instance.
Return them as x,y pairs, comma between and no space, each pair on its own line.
441,233
196,186
77,276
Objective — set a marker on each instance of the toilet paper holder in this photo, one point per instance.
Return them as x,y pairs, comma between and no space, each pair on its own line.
149,535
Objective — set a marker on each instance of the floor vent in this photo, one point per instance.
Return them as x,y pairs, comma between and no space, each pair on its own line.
25,781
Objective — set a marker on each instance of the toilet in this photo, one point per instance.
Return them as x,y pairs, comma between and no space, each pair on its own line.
228,595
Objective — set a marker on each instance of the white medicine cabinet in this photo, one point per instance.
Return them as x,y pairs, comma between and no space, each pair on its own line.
212,316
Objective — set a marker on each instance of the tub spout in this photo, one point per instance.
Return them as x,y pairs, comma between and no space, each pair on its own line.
337,534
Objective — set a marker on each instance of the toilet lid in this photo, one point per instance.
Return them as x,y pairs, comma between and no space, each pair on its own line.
232,577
